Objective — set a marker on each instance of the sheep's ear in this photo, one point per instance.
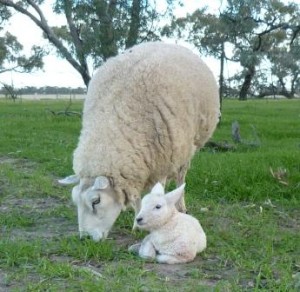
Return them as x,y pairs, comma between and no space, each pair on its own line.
174,196
158,189
69,180
101,183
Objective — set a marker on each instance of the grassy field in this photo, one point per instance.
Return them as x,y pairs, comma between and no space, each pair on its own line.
251,217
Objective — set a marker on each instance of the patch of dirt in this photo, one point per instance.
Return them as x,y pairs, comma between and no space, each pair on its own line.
41,214
122,239
23,164
290,220
3,279
29,204
46,230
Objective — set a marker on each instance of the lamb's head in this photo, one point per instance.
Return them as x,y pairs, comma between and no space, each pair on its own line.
97,205
157,207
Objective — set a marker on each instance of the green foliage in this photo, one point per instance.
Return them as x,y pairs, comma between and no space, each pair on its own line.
251,218
11,57
285,66
105,27
249,31
16,254
88,250
96,30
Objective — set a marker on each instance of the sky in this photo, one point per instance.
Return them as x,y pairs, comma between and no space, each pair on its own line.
57,71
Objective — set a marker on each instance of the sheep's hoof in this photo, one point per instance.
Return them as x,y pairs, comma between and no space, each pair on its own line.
134,248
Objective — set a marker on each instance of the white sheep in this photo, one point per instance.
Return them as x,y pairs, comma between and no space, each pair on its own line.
146,113
174,237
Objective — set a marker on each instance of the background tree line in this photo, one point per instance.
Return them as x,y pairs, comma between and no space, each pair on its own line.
251,33
32,90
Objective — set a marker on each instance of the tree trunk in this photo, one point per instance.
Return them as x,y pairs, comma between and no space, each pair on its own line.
293,90
74,32
42,23
247,83
284,91
106,13
134,24
221,79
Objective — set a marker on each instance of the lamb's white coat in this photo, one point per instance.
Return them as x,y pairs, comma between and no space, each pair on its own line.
174,237
145,114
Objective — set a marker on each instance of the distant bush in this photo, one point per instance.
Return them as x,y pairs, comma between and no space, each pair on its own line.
46,90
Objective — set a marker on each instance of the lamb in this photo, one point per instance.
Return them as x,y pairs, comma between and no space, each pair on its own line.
146,113
174,237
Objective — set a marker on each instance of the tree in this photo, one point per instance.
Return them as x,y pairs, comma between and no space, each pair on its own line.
206,32
250,27
11,58
9,91
285,67
95,29
256,27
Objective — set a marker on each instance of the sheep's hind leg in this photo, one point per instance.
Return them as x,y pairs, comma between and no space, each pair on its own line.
179,181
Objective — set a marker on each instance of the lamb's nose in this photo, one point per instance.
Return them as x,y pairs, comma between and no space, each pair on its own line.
139,220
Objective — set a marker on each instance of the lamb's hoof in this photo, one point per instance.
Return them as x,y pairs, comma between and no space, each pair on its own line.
134,248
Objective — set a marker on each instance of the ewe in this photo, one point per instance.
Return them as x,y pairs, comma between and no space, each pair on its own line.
174,237
146,113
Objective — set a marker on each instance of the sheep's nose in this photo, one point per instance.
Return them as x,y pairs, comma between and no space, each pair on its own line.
139,220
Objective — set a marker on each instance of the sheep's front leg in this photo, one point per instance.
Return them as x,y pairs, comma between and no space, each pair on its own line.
180,205
136,205
147,250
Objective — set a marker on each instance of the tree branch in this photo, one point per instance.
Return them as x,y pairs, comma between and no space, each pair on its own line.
42,23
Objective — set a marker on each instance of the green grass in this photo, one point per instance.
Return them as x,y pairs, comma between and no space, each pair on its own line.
252,219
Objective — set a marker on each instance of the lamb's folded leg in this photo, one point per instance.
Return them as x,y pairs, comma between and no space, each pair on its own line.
170,259
147,250
135,248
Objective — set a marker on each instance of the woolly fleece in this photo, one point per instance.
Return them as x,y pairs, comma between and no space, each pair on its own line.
146,112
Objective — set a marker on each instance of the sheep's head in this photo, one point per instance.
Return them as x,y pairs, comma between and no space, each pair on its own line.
97,205
157,207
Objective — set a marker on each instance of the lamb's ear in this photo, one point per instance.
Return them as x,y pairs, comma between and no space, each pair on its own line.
70,180
158,189
174,196
101,183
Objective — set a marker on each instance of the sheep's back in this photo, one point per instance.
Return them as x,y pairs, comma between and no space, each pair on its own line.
146,113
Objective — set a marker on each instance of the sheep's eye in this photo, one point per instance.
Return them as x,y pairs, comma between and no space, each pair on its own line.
157,206
97,201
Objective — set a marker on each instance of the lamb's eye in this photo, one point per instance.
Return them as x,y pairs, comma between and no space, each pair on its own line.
157,206
97,201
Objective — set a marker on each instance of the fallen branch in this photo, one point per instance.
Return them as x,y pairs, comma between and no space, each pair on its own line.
280,174
220,146
66,112
236,135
